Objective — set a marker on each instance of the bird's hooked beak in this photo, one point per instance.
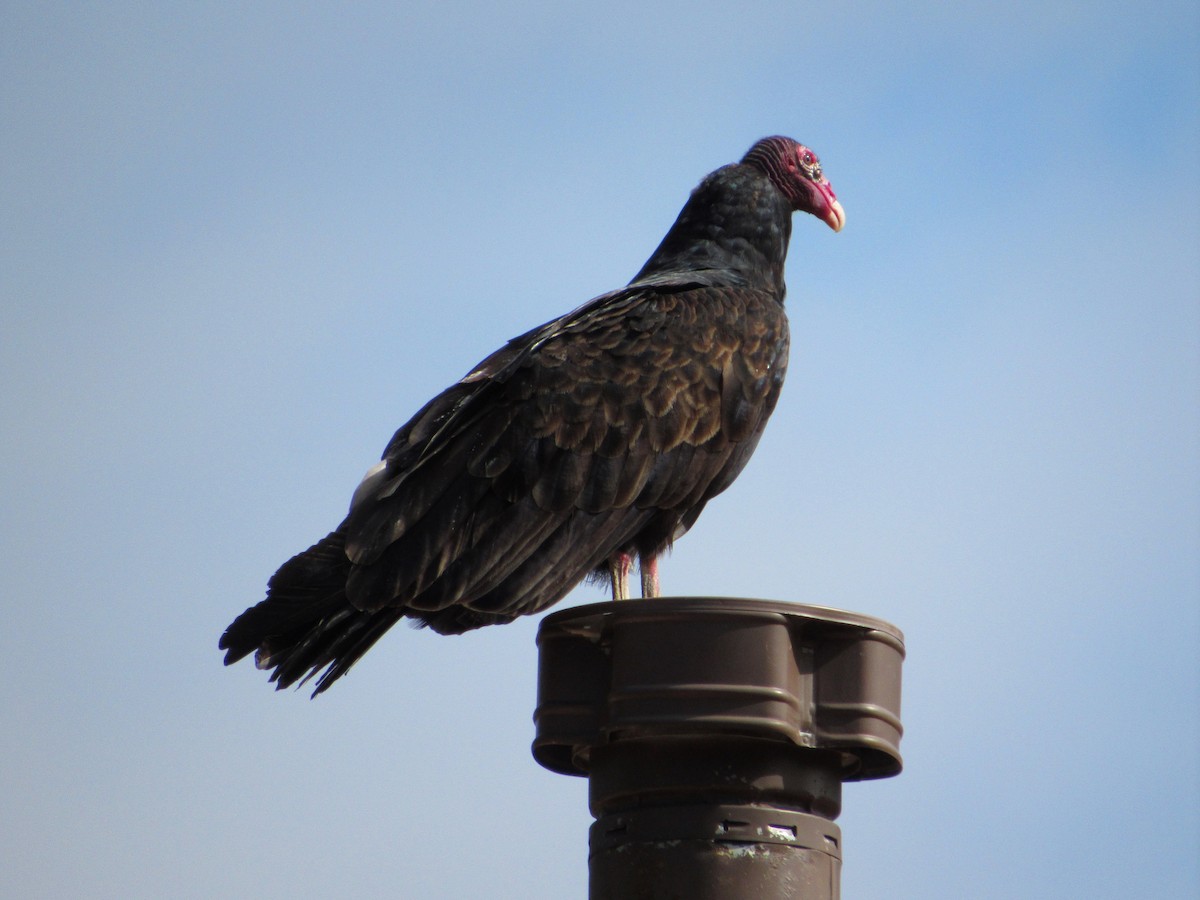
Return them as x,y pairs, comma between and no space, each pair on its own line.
835,217
832,214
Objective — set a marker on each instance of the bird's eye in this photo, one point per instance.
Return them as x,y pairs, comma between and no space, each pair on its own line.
808,158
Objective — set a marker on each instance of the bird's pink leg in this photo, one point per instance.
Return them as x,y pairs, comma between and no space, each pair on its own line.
618,570
649,569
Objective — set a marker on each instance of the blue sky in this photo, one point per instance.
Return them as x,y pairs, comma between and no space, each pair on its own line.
241,246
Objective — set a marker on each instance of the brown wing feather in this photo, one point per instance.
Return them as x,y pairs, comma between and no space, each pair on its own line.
645,405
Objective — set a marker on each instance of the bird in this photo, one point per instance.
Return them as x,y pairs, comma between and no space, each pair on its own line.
586,443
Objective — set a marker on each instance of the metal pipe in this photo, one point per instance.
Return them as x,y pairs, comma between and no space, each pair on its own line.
716,734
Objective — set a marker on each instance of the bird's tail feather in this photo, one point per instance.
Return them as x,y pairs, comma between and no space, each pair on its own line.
306,624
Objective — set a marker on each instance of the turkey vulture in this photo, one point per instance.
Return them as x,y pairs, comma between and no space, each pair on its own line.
588,441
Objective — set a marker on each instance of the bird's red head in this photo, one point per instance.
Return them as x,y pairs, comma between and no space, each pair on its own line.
796,171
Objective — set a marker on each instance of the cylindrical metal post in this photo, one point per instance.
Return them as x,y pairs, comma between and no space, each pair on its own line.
716,734
717,818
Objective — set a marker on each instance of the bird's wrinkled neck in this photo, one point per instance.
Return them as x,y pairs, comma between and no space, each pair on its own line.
733,230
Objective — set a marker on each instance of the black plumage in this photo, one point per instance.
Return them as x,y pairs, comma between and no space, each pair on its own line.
587,442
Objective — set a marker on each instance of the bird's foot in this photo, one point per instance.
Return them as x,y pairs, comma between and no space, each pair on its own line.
649,568
618,570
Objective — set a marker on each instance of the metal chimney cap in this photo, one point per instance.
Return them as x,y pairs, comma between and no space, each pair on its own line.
815,677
